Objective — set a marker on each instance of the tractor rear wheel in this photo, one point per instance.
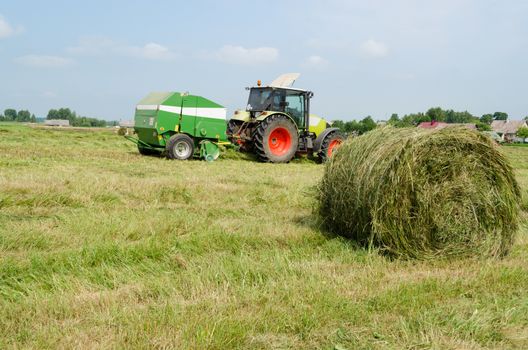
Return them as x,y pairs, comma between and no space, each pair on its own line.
276,139
330,143
180,146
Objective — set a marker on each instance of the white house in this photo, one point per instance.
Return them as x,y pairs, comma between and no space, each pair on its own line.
507,129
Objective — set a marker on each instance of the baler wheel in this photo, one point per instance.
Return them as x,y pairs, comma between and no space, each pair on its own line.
330,143
180,146
276,139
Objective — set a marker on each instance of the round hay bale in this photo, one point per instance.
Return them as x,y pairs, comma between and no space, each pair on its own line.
417,193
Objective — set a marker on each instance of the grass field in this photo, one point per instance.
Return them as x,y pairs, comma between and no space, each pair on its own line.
101,247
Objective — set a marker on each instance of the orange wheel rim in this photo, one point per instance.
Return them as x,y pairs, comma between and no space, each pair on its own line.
334,144
279,141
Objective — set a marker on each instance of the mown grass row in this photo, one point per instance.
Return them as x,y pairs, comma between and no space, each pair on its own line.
100,247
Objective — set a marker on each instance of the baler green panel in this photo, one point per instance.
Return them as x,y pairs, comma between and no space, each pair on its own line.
167,121
145,126
175,99
145,118
211,128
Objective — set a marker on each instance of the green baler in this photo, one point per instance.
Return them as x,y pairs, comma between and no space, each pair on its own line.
183,125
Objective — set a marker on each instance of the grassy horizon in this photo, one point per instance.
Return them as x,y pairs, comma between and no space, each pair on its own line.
101,248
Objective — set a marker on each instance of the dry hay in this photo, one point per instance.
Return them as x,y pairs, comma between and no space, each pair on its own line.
423,194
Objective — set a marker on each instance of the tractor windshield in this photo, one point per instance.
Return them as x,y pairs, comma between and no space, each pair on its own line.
263,99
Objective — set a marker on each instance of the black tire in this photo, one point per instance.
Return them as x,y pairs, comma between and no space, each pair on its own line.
328,145
180,146
147,151
264,146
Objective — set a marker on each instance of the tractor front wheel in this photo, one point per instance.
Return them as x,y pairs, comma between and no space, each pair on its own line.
180,146
330,143
276,139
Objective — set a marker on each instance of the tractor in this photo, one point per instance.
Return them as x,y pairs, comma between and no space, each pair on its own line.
277,124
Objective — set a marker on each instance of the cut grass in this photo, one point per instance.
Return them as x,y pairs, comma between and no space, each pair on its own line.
101,247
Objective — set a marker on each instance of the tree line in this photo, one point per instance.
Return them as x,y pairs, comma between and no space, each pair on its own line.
76,120
12,115
356,127
450,116
24,116
438,114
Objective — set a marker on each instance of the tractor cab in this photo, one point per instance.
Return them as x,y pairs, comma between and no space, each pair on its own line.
294,102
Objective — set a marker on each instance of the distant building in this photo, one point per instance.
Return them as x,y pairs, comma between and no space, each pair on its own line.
57,122
440,125
126,124
507,129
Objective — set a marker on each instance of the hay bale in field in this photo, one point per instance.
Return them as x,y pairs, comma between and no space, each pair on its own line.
421,193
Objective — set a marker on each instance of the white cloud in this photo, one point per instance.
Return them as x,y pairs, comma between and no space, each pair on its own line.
247,56
373,48
6,30
150,51
98,46
92,46
44,61
315,62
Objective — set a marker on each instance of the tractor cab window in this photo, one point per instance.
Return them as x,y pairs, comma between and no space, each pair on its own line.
295,106
260,99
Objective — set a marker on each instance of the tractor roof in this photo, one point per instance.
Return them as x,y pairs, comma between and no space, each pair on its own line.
280,88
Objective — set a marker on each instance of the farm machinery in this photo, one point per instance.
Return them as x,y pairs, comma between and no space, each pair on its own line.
179,124
275,125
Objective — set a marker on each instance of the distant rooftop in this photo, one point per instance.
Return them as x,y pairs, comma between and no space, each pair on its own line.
441,125
507,126
57,122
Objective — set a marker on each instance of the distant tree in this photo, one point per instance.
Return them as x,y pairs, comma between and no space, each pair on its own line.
367,124
394,119
486,118
526,118
500,116
53,114
436,114
352,126
10,115
33,119
409,120
522,132
460,117
23,116
65,113
483,126
338,124
2,118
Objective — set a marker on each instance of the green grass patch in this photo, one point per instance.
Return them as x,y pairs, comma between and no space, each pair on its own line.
103,248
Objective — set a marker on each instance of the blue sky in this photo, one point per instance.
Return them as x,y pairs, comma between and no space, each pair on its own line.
359,57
